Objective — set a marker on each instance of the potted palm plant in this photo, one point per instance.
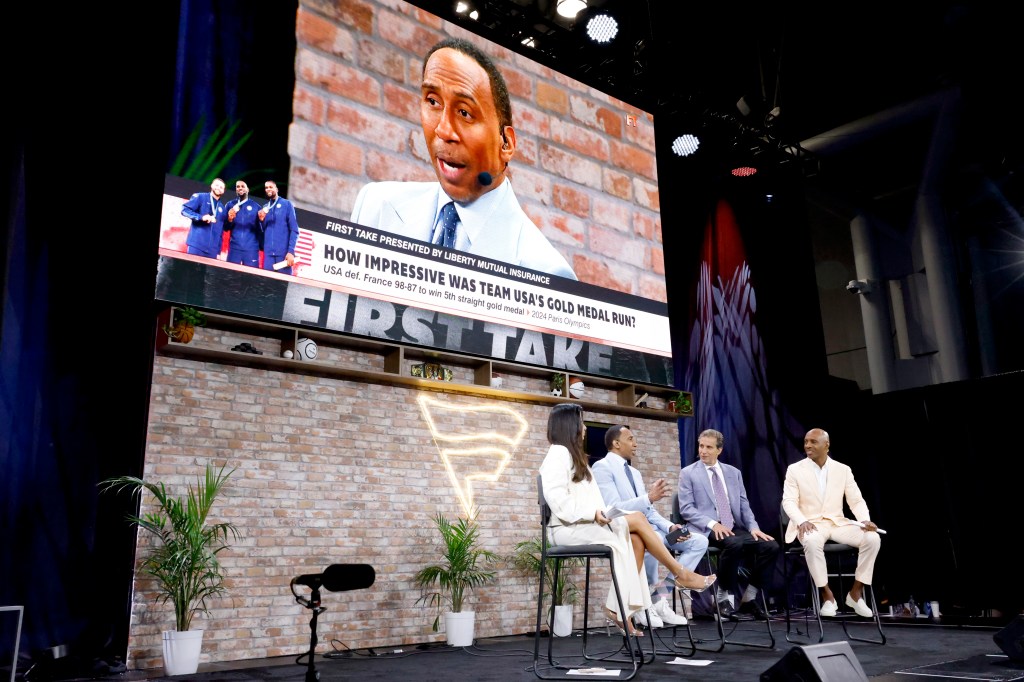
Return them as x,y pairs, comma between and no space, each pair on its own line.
563,592
463,566
183,560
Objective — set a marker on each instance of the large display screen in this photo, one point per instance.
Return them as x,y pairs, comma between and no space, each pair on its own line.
557,258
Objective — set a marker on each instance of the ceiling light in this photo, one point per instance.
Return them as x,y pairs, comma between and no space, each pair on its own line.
528,41
466,9
602,28
684,145
570,8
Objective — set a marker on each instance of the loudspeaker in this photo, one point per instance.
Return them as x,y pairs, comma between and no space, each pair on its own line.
829,662
1011,639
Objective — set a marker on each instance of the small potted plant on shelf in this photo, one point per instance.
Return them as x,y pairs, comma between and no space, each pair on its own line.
557,383
564,592
463,567
184,559
681,403
184,323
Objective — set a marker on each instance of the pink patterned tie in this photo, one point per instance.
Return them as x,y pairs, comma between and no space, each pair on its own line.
724,512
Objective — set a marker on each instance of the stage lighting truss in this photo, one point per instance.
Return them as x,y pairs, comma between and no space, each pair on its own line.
685,145
602,28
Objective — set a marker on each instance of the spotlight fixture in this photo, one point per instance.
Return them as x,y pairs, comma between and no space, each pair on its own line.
570,8
602,28
528,41
466,9
685,145
743,171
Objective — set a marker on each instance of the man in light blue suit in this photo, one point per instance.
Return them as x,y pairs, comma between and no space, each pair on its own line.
713,502
622,485
466,114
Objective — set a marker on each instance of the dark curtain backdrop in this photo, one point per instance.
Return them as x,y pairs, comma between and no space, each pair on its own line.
83,172
751,350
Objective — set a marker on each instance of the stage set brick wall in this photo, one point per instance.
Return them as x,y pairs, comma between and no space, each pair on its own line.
585,176
334,471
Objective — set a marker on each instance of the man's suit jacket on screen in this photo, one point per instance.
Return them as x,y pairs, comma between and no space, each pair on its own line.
496,228
697,499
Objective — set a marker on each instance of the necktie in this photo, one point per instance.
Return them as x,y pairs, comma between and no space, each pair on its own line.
724,513
449,219
629,475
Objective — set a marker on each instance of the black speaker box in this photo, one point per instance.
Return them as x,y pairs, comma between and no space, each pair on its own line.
1011,639
829,662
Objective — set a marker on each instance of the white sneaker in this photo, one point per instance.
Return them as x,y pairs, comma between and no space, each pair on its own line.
667,615
829,608
656,621
860,606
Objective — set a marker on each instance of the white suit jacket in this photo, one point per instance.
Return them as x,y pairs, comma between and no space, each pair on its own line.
802,501
610,473
502,231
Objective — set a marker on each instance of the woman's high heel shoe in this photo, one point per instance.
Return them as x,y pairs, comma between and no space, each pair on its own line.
697,586
614,618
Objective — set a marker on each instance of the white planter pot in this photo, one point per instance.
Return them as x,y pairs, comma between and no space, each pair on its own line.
459,627
562,625
181,651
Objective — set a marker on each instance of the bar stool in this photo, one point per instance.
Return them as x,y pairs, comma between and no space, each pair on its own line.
556,554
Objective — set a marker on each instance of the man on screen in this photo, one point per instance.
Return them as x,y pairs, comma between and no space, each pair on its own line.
280,231
244,224
466,116
204,209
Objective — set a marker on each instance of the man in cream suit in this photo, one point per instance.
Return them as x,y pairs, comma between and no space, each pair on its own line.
466,115
622,486
812,497
729,525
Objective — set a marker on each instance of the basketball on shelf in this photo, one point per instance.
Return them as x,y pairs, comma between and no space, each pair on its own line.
576,387
305,349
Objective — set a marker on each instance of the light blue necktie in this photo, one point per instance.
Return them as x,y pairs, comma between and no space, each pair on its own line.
629,475
449,221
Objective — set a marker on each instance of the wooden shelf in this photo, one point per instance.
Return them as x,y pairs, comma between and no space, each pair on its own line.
380,362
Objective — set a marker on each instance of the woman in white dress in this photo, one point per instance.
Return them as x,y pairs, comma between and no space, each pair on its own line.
577,518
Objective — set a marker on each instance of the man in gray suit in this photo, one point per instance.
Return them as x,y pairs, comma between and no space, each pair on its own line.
466,114
622,486
713,501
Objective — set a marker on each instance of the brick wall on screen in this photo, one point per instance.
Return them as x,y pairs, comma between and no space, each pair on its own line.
334,471
585,177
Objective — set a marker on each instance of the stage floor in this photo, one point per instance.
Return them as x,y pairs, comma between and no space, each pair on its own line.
912,653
